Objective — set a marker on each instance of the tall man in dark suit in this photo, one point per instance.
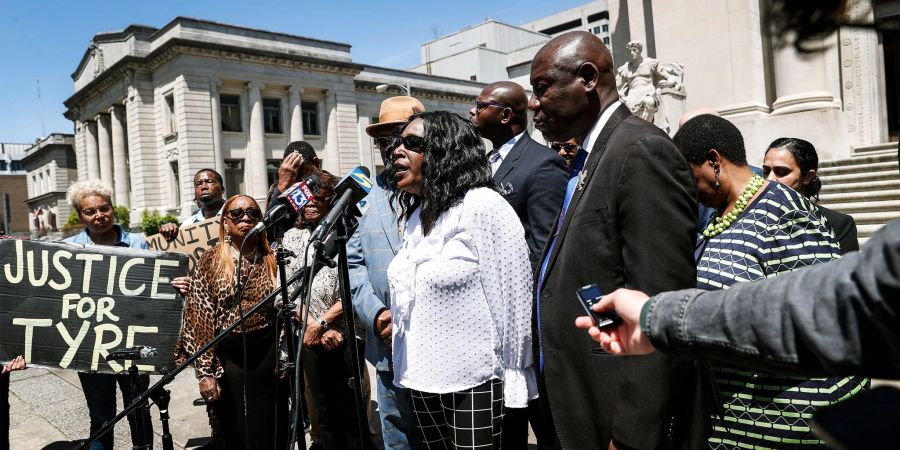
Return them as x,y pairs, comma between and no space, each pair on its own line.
532,178
629,219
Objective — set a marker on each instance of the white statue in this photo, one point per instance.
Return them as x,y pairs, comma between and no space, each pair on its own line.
642,81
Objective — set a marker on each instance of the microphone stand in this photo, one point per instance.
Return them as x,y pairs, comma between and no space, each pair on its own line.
144,441
286,314
345,225
159,394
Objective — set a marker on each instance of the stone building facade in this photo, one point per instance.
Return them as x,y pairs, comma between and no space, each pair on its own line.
14,217
51,169
153,106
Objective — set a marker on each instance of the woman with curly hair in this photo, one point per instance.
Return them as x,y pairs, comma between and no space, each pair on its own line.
794,162
460,286
242,368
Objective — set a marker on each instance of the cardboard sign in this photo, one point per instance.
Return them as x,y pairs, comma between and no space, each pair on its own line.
68,305
192,240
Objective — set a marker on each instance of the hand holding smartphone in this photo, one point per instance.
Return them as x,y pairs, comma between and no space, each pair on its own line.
588,296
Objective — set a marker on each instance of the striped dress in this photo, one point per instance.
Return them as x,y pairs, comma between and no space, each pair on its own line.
778,232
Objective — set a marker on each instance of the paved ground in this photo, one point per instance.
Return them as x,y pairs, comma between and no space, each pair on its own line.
48,411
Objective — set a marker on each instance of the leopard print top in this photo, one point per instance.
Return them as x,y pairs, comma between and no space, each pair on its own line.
211,307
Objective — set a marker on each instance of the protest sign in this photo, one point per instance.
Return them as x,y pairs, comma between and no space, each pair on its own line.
68,306
192,240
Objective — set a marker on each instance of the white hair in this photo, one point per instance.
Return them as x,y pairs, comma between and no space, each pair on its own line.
81,189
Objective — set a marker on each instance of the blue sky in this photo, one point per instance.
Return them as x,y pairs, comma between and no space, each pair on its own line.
45,39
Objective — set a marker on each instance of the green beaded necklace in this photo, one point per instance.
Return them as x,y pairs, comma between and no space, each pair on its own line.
721,223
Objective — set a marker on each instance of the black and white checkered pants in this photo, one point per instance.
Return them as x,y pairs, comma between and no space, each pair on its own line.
460,420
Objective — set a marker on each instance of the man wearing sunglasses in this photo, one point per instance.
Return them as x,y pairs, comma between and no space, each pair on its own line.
532,178
370,251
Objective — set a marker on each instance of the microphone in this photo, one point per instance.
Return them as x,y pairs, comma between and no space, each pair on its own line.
350,190
293,199
132,353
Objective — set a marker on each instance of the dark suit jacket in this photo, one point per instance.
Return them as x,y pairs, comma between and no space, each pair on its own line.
633,225
532,178
844,229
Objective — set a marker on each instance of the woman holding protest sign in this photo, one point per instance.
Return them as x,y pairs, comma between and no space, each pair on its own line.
92,200
242,367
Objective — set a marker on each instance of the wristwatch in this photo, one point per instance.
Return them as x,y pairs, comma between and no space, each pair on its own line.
323,323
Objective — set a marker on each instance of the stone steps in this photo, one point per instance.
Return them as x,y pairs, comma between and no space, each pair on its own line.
866,186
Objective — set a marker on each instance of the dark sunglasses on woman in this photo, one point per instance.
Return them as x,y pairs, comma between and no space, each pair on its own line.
238,213
413,143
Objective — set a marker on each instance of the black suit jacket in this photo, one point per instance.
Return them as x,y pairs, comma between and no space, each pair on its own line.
632,225
532,178
844,229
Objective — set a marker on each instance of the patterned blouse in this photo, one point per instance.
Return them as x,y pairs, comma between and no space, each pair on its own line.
326,287
779,232
211,307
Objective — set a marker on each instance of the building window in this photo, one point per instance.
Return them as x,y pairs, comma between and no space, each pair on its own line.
170,114
37,188
230,113
606,41
272,166
310,113
175,184
234,176
605,28
474,77
272,115
595,30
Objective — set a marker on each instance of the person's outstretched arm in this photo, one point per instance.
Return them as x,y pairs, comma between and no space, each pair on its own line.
837,318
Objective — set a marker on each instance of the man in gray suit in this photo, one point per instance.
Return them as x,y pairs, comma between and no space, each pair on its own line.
369,252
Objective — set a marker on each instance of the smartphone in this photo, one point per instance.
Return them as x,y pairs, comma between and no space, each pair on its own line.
588,296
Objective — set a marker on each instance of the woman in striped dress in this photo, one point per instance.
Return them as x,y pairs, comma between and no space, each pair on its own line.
761,229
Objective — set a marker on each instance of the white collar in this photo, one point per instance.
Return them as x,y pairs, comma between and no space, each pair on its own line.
505,148
592,136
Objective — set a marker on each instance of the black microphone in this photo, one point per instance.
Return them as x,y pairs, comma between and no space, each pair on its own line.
350,190
291,200
132,353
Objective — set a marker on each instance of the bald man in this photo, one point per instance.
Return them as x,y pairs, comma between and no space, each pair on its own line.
531,177
629,219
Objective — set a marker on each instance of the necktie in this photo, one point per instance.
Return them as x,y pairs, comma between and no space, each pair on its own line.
574,171
494,159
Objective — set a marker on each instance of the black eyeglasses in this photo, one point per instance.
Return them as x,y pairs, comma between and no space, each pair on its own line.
102,209
567,146
481,105
384,143
238,213
413,143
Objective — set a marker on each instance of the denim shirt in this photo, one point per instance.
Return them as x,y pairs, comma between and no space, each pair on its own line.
837,318
126,239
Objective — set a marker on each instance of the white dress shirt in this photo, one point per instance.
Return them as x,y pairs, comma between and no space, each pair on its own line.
588,143
502,152
461,301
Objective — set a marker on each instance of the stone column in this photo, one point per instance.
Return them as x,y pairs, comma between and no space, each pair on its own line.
296,113
218,154
255,168
105,149
120,167
93,162
331,161
804,82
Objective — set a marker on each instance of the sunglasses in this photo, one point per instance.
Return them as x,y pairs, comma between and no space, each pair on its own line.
384,143
481,105
567,146
238,213
413,143
102,209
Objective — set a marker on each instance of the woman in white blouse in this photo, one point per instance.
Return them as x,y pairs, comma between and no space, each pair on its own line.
460,287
